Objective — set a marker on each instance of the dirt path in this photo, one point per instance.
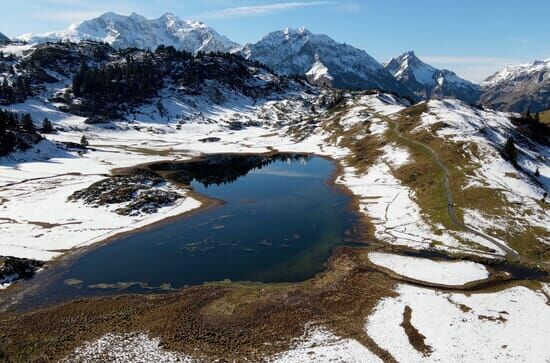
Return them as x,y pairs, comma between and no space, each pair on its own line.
510,253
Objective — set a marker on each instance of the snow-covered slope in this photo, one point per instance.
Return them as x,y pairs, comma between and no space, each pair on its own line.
519,88
298,51
4,39
136,31
319,74
425,81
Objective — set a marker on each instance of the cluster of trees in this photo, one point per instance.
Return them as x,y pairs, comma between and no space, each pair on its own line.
122,82
16,132
171,54
16,91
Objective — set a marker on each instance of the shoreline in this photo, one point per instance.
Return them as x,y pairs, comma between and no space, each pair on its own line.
17,292
347,273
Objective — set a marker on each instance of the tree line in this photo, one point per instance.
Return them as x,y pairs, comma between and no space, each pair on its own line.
121,82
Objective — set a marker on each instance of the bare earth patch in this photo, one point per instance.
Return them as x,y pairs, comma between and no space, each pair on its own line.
416,338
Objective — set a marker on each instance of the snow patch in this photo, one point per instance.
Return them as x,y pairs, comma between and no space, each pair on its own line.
320,345
505,326
437,272
131,348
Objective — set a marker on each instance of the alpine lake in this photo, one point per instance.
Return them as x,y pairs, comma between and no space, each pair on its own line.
277,219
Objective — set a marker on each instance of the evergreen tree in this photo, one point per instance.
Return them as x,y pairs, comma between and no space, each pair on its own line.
84,142
537,117
47,126
27,124
15,133
510,151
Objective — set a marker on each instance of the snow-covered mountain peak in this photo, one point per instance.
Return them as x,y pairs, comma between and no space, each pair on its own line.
519,87
408,65
301,31
298,51
426,81
517,72
123,31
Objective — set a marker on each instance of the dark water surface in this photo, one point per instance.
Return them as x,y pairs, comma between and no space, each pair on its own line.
280,222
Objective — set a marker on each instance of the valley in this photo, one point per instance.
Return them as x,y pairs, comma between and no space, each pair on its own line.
193,202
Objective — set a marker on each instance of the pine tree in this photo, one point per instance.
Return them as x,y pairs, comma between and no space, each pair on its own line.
537,117
510,151
84,141
27,124
47,127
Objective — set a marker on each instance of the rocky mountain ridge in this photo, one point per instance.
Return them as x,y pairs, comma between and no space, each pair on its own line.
427,82
319,58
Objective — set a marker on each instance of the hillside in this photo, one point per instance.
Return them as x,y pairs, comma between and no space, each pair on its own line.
96,81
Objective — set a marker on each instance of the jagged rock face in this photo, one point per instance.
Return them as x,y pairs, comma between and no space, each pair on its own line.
299,52
427,82
136,31
519,88
4,39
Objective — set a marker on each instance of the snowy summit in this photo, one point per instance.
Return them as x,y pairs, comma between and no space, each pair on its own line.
427,82
519,87
300,52
136,31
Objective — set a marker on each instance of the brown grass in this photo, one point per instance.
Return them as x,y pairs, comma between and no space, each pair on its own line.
417,340
229,322
545,117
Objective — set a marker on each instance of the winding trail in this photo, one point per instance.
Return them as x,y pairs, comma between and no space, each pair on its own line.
510,253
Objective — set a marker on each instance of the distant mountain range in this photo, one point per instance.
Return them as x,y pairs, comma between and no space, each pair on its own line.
321,59
298,51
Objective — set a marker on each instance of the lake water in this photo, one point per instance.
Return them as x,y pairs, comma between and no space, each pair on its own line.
280,223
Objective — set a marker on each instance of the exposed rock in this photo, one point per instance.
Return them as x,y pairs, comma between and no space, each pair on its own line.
12,269
210,139
140,192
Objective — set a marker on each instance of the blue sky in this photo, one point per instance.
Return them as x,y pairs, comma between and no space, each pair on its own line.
472,37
